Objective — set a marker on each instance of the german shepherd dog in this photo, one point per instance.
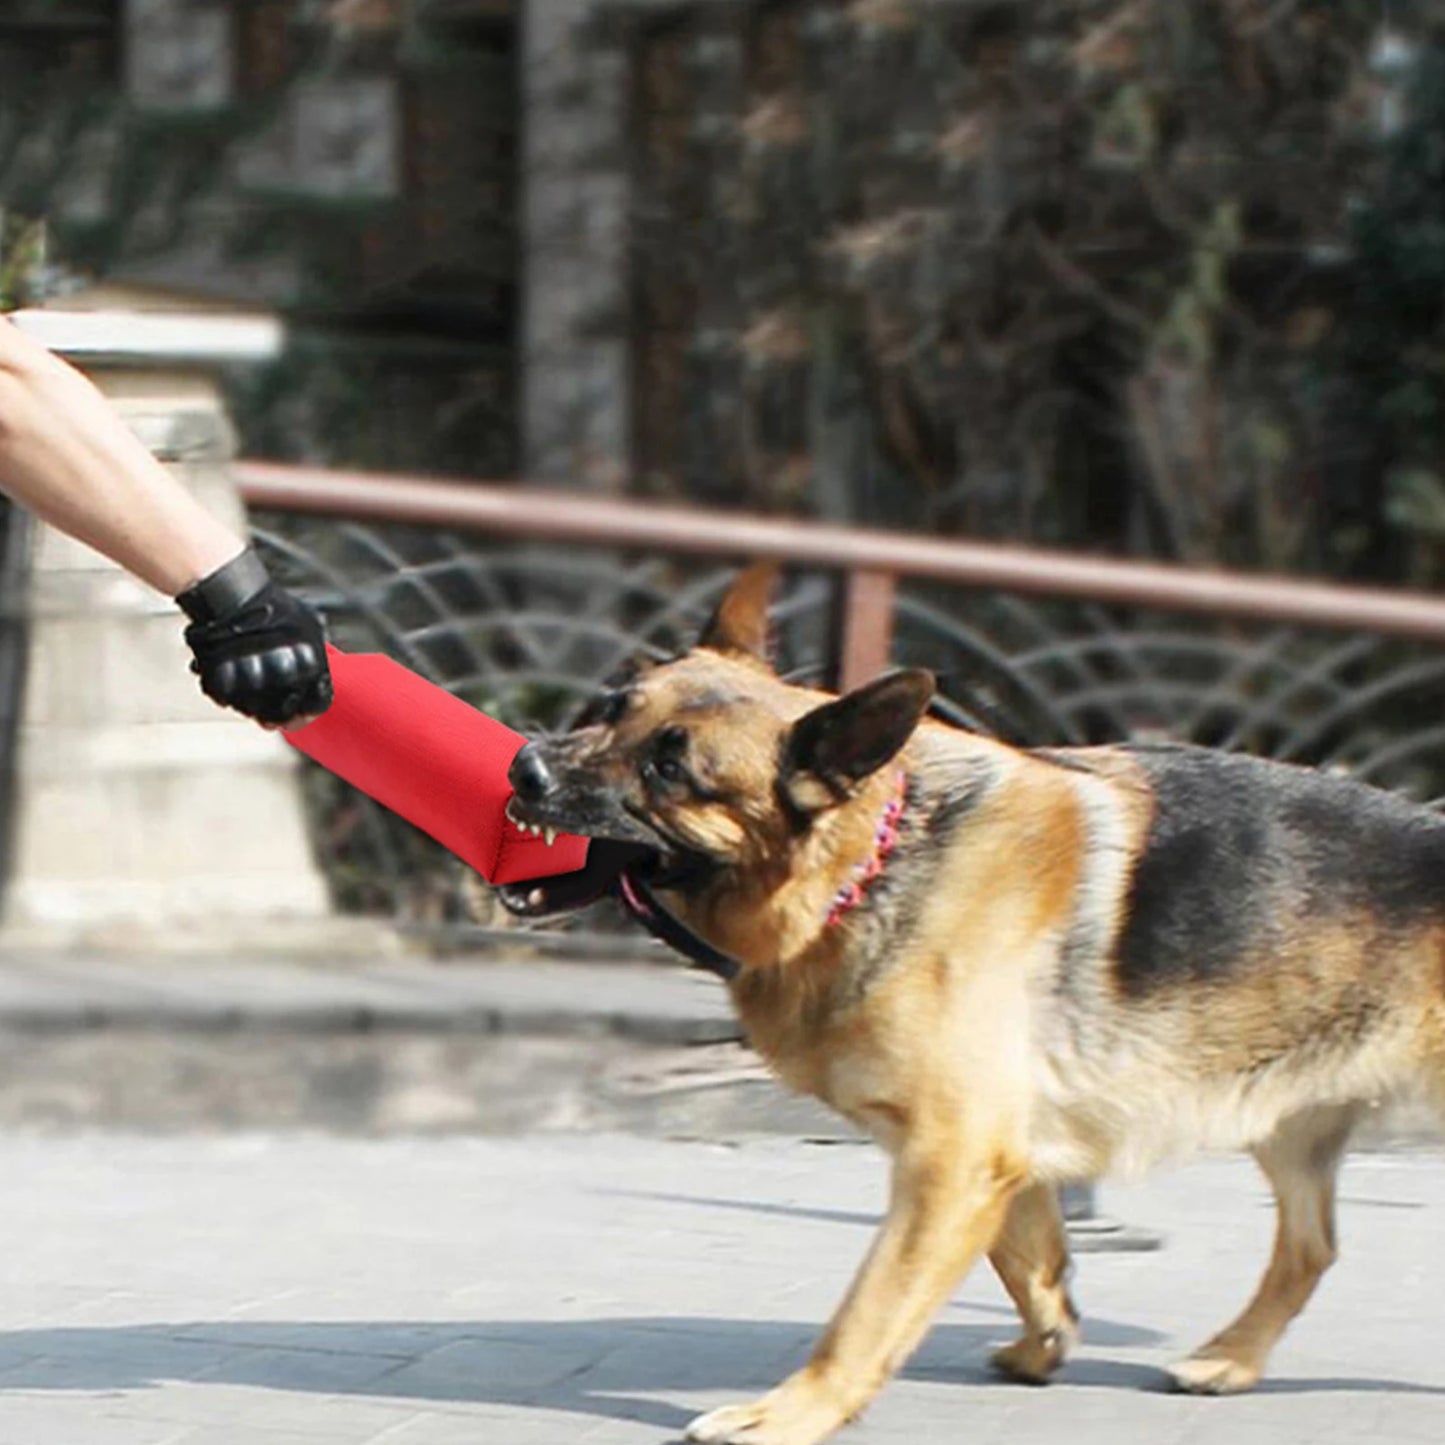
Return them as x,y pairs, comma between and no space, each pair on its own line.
1016,968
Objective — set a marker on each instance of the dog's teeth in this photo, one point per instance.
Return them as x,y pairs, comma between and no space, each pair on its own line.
550,836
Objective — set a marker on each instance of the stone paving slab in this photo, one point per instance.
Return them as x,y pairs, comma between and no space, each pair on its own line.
313,1291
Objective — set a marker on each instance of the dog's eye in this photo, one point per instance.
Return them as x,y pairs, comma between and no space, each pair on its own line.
669,770
665,763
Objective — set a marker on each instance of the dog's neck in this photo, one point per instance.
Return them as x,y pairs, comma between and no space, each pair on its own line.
664,923
885,839
637,897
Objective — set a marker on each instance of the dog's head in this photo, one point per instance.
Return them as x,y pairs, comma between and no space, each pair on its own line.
711,764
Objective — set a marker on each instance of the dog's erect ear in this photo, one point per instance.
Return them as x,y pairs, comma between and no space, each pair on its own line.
740,624
833,748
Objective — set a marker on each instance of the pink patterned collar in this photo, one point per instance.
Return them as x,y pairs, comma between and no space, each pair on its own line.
885,840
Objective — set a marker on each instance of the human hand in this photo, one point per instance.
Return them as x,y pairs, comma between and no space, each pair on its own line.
257,648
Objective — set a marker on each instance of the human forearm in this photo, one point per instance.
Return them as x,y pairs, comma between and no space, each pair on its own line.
66,455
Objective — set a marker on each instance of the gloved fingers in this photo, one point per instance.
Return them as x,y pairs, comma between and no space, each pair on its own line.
276,684
317,695
221,682
257,648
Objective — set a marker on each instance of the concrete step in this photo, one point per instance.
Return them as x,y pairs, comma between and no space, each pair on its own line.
505,1043
373,1046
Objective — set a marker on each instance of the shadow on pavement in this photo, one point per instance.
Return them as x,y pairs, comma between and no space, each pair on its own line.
607,1368
750,1206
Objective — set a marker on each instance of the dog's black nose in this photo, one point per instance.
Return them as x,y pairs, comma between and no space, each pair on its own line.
529,775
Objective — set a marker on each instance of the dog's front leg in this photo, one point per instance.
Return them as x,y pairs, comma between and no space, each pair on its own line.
948,1202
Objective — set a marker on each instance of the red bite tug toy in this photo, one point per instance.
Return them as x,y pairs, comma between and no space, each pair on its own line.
435,761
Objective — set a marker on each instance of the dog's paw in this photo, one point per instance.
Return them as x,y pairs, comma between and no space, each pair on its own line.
790,1415
1034,1358
718,1427
1213,1375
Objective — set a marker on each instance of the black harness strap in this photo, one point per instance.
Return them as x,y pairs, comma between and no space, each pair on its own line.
639,901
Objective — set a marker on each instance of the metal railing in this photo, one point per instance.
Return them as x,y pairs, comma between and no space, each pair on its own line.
524,601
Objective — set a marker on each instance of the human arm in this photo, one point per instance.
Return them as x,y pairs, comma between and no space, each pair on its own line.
67,456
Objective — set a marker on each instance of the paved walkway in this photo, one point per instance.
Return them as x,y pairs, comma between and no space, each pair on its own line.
310,1291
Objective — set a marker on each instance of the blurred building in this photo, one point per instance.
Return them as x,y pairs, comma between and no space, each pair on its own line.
351,164
1158,278
1153,278
351,167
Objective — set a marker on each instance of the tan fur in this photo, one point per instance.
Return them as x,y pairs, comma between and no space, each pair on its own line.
967,1070
988,1060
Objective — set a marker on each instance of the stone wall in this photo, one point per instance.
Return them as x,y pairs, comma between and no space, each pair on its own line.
575,357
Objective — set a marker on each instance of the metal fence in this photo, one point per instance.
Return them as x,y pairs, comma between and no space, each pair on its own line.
524,602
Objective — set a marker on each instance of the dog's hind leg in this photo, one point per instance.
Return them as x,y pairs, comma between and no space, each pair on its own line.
1031,1258
1300,1159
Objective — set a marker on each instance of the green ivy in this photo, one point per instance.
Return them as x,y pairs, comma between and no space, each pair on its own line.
22,259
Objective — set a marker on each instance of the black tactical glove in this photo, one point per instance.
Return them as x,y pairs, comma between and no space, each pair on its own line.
257,648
